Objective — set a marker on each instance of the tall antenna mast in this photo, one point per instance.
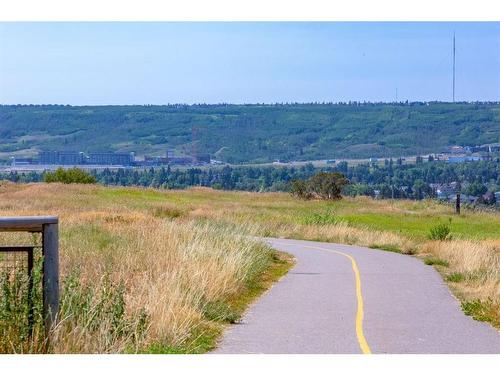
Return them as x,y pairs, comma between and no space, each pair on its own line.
453,67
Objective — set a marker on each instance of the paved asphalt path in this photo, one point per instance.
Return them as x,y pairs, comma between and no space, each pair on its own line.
401,306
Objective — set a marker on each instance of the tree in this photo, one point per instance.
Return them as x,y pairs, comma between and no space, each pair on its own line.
300,189
327,185
419,189
386,191
323,185
69,176
476,189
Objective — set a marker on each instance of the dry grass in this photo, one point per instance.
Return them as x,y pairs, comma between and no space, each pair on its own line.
169,271
473,254
476,265
345,233
180,253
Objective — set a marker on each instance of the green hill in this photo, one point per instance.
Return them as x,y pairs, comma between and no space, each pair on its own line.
250,133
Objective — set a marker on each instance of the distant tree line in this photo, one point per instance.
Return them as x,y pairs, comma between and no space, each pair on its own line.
390,179
393,180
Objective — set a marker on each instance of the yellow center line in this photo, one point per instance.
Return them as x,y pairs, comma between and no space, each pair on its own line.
363,344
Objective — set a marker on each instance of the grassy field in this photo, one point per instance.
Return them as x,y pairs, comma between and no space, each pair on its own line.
170,268
136,277
472,255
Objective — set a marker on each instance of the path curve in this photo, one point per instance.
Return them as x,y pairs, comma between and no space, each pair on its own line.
404,304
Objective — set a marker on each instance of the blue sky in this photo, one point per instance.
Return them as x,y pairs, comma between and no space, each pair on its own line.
158,63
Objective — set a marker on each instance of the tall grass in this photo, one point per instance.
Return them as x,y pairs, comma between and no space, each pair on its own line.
21,312
133,280
174,260
474,274
468,244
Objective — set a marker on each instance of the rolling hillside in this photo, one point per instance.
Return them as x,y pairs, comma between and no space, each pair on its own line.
250,133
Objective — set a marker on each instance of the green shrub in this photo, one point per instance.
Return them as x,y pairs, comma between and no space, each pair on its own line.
430,261
455,277
69,176
320,218
440,232
388,247
220,311
480,310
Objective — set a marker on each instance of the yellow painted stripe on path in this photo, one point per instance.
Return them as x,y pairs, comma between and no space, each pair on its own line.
363,344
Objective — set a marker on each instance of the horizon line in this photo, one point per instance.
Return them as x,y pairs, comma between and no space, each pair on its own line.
350,102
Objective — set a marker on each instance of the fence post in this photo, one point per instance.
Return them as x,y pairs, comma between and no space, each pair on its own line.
50,274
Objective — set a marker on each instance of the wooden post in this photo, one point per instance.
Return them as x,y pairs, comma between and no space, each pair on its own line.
457,204
50,274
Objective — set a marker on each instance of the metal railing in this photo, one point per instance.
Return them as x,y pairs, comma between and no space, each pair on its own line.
13,258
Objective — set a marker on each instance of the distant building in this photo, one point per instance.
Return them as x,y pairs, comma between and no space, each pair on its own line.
20,161
111,158
186,160
71,158
466,198
457,150
439,157
463,158
202,158
468,150
445,191
485,155
488,198
48,157
61,158
181,160
155,160
495,147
